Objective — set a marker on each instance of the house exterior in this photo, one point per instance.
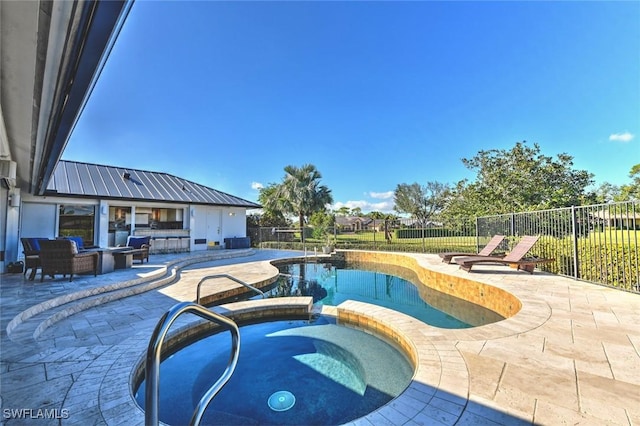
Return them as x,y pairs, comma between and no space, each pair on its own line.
52,54
105,204
620,220
352,223
359,223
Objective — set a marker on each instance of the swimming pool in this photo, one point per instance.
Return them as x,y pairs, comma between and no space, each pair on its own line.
290,372
383,285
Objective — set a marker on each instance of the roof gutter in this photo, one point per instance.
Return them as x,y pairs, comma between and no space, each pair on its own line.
91,34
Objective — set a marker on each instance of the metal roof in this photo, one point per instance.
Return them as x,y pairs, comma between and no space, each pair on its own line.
72,178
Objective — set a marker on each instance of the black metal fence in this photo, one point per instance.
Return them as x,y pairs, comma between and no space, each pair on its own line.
375,234
597,243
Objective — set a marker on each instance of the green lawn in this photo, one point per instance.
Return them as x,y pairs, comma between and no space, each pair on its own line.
429,245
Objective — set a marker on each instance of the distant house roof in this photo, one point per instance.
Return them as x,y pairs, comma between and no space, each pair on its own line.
604,214
352,220
108,182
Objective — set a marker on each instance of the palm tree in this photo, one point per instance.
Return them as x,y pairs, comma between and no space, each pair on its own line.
301,193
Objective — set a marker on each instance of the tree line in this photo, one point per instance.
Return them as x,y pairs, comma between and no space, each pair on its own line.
518,179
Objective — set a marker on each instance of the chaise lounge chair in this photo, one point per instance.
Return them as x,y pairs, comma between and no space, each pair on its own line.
493,244
515,258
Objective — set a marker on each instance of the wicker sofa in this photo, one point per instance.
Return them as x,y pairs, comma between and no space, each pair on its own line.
62,257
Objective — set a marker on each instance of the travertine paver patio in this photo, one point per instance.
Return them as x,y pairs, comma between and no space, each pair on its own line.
571,355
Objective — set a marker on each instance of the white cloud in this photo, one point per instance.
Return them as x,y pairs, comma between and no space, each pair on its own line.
621,137
366,206
256,185
381,195
385,206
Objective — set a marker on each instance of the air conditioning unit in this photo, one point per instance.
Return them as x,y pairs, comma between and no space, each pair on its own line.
8,173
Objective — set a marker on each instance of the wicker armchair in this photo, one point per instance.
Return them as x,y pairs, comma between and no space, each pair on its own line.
142,245
62,257
31,251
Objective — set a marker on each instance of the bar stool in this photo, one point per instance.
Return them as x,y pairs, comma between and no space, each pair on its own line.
156,244
172,244
181,247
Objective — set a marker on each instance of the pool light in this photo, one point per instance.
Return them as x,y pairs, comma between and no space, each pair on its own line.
281,401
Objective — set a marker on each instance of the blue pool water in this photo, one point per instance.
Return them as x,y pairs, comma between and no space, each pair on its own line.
381,285
335,374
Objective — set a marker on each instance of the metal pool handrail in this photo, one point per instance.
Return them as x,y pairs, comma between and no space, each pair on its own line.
154,351
232,278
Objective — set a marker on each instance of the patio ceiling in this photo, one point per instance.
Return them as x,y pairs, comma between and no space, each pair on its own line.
50,55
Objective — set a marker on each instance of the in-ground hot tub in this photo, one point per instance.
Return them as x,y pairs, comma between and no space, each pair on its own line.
289,372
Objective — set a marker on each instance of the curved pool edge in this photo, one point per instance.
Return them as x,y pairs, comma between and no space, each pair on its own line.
435,283
440,387
504,294
440,375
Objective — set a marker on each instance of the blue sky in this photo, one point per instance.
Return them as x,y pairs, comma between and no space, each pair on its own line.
374,94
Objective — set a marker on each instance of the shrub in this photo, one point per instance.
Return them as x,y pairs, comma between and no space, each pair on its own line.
426,232
611,264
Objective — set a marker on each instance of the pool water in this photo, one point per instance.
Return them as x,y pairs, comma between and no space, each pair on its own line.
388,286
335,374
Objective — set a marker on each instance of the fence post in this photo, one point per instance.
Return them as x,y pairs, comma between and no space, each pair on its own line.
477,234
512,224
574,232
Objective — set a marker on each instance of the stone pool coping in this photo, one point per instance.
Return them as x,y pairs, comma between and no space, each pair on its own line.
433,393
570,354
438,392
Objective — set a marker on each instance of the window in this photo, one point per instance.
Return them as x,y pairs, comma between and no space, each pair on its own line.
119,218
165,219
77,220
